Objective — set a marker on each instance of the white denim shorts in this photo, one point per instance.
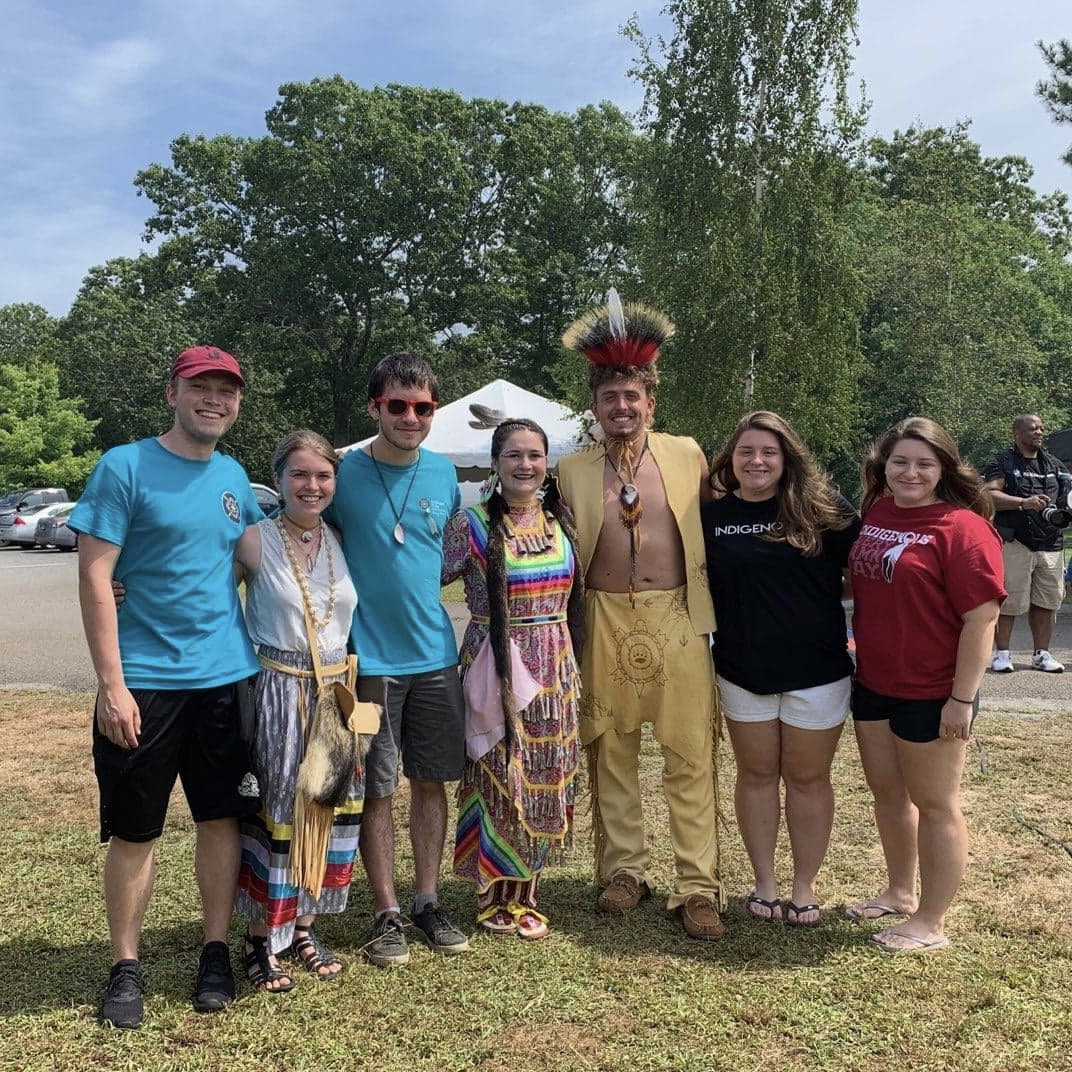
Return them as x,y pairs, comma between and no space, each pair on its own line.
820,708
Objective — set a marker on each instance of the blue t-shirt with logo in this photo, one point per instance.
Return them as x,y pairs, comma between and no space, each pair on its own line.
400,626
177,521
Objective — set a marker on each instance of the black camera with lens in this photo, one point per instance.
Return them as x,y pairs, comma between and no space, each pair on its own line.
1057,516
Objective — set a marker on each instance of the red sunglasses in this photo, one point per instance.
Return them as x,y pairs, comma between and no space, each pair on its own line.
397,406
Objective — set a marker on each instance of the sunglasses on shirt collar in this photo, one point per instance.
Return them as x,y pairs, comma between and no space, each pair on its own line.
397,406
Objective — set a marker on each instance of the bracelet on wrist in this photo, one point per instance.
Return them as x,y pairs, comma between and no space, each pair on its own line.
957,699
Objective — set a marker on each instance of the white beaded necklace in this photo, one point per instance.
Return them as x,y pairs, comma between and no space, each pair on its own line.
299,574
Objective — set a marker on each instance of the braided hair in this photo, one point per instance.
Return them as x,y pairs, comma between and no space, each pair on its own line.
498,593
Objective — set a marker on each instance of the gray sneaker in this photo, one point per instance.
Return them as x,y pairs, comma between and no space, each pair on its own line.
387,947
438,931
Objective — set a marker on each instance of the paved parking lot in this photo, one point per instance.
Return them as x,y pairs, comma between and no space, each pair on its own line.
41,641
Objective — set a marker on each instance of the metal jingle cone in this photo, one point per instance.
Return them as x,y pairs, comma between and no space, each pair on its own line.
399,533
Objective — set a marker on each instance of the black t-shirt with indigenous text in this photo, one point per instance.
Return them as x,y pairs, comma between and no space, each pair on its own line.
781,625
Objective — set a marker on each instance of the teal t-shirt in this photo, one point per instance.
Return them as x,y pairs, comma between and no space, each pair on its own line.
177,521
400,626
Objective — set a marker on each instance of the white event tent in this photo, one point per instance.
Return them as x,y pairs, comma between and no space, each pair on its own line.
469,448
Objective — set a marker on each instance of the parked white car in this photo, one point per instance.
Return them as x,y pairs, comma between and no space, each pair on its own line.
22,528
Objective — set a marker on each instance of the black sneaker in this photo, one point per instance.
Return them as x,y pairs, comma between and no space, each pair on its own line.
215,987
123,1004
387,947
438,931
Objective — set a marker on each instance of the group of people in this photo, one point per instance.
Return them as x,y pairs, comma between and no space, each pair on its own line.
593,598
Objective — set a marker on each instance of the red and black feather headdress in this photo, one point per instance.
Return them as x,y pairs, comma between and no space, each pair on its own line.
619,334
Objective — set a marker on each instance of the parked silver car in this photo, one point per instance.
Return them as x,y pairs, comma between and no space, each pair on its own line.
21,528
53,531
15,517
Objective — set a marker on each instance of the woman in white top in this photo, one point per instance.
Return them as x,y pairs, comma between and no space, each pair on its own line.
290,561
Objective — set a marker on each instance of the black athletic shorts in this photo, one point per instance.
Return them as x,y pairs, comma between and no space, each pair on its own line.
192,734
911,720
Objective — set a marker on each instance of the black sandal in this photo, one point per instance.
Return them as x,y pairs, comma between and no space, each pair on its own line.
312,954
259,968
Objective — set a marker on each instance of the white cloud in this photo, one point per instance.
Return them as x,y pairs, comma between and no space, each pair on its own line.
48,252
109,82
91,92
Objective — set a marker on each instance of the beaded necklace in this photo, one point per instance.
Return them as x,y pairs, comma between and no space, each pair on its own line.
529,530
299,574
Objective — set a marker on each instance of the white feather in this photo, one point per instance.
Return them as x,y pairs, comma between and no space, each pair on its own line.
615,314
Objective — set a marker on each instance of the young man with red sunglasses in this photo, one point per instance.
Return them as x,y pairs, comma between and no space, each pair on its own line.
392,502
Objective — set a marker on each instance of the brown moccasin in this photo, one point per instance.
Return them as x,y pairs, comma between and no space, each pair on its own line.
700,918
623,894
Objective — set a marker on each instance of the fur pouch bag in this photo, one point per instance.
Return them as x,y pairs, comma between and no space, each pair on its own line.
339,738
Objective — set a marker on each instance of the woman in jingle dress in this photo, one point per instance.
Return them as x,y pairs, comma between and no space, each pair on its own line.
515,554
287,561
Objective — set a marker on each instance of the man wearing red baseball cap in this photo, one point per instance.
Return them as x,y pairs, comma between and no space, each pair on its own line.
163,516
200,359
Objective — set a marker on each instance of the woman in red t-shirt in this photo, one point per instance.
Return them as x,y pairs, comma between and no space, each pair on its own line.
927,583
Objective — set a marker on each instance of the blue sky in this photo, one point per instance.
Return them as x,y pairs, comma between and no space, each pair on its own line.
93,90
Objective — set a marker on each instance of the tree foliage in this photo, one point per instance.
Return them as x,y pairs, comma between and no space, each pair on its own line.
1056,91
43,436
117,343
745,211
967,271
27,334
372,220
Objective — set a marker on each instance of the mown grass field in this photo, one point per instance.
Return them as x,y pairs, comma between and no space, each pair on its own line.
600,993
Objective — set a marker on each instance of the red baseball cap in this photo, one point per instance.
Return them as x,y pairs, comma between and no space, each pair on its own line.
200,359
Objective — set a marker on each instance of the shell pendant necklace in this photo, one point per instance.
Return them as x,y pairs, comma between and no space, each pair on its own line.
398,532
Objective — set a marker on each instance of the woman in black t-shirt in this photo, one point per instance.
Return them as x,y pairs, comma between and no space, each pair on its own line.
777,540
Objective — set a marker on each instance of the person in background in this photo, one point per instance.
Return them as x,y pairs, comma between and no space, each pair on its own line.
1024,480
172,664
927,584
778,542
516,554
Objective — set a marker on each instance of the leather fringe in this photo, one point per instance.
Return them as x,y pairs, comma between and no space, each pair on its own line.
599,834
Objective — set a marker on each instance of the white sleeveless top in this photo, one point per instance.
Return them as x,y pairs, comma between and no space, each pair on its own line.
274,614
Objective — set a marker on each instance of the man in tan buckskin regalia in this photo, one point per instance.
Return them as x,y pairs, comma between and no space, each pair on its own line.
646,659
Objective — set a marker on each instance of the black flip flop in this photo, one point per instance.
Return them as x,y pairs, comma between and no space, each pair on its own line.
798,911
754,899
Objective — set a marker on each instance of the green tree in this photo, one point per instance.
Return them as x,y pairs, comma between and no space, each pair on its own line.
369,220
967,319
1056,91
745,202
43,436
117,343
27,334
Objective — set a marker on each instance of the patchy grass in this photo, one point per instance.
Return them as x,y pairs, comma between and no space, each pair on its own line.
599,993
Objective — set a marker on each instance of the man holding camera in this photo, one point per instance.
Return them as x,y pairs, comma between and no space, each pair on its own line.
1029,487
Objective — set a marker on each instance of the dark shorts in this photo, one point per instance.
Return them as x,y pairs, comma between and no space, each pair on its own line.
910,720
423,723
192,734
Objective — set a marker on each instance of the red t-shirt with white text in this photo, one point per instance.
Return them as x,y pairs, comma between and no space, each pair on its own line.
914,573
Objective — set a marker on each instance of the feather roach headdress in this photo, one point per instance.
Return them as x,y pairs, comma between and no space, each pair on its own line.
617,334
